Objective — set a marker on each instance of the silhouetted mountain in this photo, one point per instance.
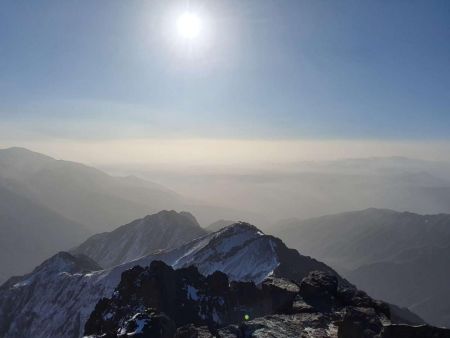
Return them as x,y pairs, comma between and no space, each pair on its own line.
353,238
164,230
30,232
311,189
91,197
81,193
416,278
158,301
58,303
400,257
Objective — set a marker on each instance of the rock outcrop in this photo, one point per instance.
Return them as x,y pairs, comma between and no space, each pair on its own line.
188,297
159,301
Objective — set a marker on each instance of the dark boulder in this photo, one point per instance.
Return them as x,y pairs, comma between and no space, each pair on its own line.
360,323
281,293
319,289
351,296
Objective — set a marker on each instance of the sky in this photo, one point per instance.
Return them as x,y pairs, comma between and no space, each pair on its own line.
80,73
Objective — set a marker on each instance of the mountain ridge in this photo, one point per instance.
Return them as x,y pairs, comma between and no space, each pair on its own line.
241,251
163,230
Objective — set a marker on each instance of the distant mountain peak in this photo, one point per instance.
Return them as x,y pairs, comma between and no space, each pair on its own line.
241,226
22,150
22,158
66,262
166,229
190,216
172,214
62,262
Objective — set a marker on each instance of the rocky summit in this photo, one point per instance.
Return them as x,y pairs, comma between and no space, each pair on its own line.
158,301
188,297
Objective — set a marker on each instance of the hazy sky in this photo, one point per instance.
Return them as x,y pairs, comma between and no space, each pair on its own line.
103,71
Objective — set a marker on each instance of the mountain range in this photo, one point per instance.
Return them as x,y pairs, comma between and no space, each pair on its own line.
400,257
311,189
56,299
48,205
81,193
67,294
94,198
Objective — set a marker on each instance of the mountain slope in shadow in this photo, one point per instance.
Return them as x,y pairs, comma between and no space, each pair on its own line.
400,257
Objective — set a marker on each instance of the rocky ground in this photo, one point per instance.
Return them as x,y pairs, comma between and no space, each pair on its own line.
159,301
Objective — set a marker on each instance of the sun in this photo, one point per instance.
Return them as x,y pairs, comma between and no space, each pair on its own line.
189,25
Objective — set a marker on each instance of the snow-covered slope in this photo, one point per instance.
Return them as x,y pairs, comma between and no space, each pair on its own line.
241,251
164,230
56,300
42,303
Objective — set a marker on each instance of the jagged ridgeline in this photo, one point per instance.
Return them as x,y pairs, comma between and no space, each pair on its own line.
159,301
63,295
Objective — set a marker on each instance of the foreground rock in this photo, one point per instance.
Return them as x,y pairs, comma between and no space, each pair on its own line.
188,297
159,301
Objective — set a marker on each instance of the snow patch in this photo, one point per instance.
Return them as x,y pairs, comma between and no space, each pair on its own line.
140,326
22,283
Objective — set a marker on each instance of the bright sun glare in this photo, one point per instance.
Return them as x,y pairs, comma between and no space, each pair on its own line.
189,25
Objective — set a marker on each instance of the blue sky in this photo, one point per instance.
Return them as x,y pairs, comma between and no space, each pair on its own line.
270,70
